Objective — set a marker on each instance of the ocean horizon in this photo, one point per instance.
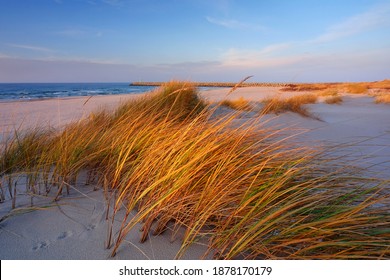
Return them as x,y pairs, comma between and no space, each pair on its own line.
31,91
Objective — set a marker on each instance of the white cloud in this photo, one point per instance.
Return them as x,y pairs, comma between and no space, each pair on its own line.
75,59
38,70
32,48
275,48
375,18
268,56
301,52
235,24
199,65
370,65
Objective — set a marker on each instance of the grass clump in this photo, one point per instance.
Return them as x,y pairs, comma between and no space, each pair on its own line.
174,99
242,188
385,84
337,99
329,92
383,98
240,104
294,104
306,87
22,154
355,88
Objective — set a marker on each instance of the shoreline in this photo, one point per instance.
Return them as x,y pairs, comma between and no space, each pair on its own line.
54,111
70,97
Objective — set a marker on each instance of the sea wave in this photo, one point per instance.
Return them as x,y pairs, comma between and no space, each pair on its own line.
56,90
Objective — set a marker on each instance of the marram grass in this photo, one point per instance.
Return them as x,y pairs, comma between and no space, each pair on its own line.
244,189
294,104
240,104
355,88
383,98
335,99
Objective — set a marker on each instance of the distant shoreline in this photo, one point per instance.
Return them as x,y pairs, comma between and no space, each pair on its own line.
214,84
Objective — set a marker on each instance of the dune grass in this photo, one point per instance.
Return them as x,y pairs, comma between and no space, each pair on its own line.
328,92
294,104
355,88
336,99
383,98
240,104
384,84
242,188
307,87
324,89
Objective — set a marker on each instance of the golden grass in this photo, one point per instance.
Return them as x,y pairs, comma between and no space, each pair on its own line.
336,99
244,189
383,98
355,88
294,104
328,92
385,84
306,87
240,104
332,88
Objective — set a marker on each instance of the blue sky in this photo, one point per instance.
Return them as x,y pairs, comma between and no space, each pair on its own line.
199,40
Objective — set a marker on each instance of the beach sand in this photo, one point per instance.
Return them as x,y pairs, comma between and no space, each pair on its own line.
54,112
75,227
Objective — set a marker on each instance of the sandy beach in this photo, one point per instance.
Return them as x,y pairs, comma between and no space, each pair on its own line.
75,226
53,112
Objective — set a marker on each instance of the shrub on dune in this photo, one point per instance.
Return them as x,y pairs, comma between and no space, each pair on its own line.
336,99
355,88
383,98
384,84
240,104
329,92
294,104
306,87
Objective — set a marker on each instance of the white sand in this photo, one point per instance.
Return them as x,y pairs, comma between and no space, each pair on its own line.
53,112
75,227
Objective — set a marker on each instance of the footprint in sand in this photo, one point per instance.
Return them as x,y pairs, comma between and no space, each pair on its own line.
90,227
45,244
41,245
64,235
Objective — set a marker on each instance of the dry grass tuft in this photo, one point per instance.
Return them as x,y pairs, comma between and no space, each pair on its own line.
328,92
337,99
306,87
355,88
385,84
383,98
240,104
294,104
332,88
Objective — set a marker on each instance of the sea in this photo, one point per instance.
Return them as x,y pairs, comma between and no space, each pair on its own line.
32,91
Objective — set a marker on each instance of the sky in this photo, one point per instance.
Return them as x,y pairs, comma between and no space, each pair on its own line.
197,40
